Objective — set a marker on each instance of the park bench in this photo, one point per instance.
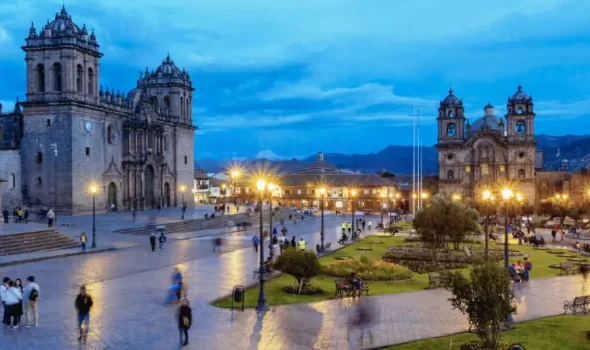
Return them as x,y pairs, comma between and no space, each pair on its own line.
578,304
328,247
433,279
341,288
567,267
468,252
364,288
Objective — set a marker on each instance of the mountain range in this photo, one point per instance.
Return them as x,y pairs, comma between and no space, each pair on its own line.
398,159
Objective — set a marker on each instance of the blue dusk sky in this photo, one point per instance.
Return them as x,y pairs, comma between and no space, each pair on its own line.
289,78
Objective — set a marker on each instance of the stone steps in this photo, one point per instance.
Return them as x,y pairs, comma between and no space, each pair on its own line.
219,222
35,242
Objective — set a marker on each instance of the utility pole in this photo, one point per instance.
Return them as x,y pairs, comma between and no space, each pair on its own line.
54,148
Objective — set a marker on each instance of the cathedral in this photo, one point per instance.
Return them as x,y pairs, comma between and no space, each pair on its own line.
488,151
69,133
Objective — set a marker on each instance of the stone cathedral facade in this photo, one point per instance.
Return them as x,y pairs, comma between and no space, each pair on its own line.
491,150
137,147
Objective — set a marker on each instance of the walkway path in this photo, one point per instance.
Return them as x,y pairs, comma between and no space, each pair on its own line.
128,287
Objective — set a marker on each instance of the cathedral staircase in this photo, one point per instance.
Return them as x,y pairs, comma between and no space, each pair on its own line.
37,241
219,222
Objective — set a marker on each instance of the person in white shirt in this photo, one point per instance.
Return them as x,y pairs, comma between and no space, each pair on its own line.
13,298
3,290
30,301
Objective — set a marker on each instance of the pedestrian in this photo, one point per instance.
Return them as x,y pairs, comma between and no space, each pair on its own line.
162,240
343,227
255,242
13,301
31,300
528,266
217,244
26,216
3,290
153,241
562,234
83,305
83,241
185,320
301,244
553,234
370,223
50,218
281,242
5,214
364,225
293,242
274,231
18,283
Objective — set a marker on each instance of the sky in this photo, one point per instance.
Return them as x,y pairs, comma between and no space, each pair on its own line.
290,78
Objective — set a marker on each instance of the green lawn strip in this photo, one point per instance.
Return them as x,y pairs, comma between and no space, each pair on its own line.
275,296
552,333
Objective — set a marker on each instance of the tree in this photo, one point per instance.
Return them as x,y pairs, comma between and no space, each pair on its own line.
302,265
557,207
486,299
445,220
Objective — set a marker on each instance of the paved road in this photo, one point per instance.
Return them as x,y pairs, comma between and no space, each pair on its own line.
128,288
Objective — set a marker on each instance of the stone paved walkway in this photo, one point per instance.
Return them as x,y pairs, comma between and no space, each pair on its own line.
129,287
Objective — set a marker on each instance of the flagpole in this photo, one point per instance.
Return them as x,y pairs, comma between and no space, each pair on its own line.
413,194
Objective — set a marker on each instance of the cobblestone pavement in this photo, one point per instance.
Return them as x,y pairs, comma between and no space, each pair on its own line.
129,287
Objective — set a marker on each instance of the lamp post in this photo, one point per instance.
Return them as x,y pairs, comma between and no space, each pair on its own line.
224,196
382,195
261,186
182,190
487,196
234,175
322,192
352,195
519,199
506,195
271,187
93,190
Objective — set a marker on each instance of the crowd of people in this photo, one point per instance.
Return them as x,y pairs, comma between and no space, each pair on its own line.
18,300
520,271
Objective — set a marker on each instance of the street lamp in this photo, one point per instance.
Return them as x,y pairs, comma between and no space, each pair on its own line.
487,197
261,186
93,189
507,194
182,190
456,197
519,199
322,191
271,187
352,195
234,175
382,195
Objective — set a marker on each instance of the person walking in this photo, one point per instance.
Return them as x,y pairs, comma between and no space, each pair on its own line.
282,240
364,225
370,223
3,290
153,242
83,241
301,244
18,312
26,216
13,301
293,242
31,297
83,305
162,240
50,218
255,242
185,320
5,214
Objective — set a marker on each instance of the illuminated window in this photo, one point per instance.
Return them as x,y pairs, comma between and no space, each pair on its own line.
484,169
467,169
339,204
502,168
521,173
450,175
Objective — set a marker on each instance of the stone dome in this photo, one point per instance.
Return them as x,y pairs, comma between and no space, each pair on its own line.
451,100
168,67
488,122
520,95
63,25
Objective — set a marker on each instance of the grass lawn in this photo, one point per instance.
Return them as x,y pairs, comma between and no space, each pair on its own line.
552,333
275,296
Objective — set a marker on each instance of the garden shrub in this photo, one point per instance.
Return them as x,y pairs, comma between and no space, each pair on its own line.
367,270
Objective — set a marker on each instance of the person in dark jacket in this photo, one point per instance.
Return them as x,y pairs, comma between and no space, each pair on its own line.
5,214
26,216
83,305
293,242
153,242
185,320
162,240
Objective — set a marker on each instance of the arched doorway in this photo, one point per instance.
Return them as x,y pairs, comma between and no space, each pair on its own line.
167,195
112,195
149,176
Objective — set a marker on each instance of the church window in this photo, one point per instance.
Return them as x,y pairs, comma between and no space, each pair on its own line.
519,110
450,156
165,143
39,158
521,173
185,160
109,134
451,130
87,151
40,78
48,122
509,110
39,181
467,168
485,170
544,184
79,74
167,101
451,114
502,168
520,127
181,107
90,81
450,175
12,181
521,155
57,82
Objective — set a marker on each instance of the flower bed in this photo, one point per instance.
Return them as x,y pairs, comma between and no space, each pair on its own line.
424,266
367,270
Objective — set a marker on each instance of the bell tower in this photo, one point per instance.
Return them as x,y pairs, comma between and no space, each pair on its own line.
451,120
520,117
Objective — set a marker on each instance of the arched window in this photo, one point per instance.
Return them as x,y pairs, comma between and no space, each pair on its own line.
57,86
520,127
519,111
48,122
39,181
450,114
40,78
39,158
12,181
109,134
521,173
167,102
79,74
90,81
181,107
450,175
451,130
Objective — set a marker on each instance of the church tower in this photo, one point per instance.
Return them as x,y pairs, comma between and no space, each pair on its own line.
520,117
451,120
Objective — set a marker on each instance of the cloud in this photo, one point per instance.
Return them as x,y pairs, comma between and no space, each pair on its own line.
563,110
270,155
3,35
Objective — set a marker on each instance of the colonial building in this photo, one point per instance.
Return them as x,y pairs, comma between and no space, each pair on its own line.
137,147
490,150
300,189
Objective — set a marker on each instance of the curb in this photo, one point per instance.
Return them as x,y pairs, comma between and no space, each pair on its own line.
26,261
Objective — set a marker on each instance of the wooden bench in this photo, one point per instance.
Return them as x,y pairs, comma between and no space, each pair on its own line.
341,288
567,267
578,304
434,279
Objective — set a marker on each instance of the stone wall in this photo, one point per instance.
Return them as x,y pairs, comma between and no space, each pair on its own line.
10,170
